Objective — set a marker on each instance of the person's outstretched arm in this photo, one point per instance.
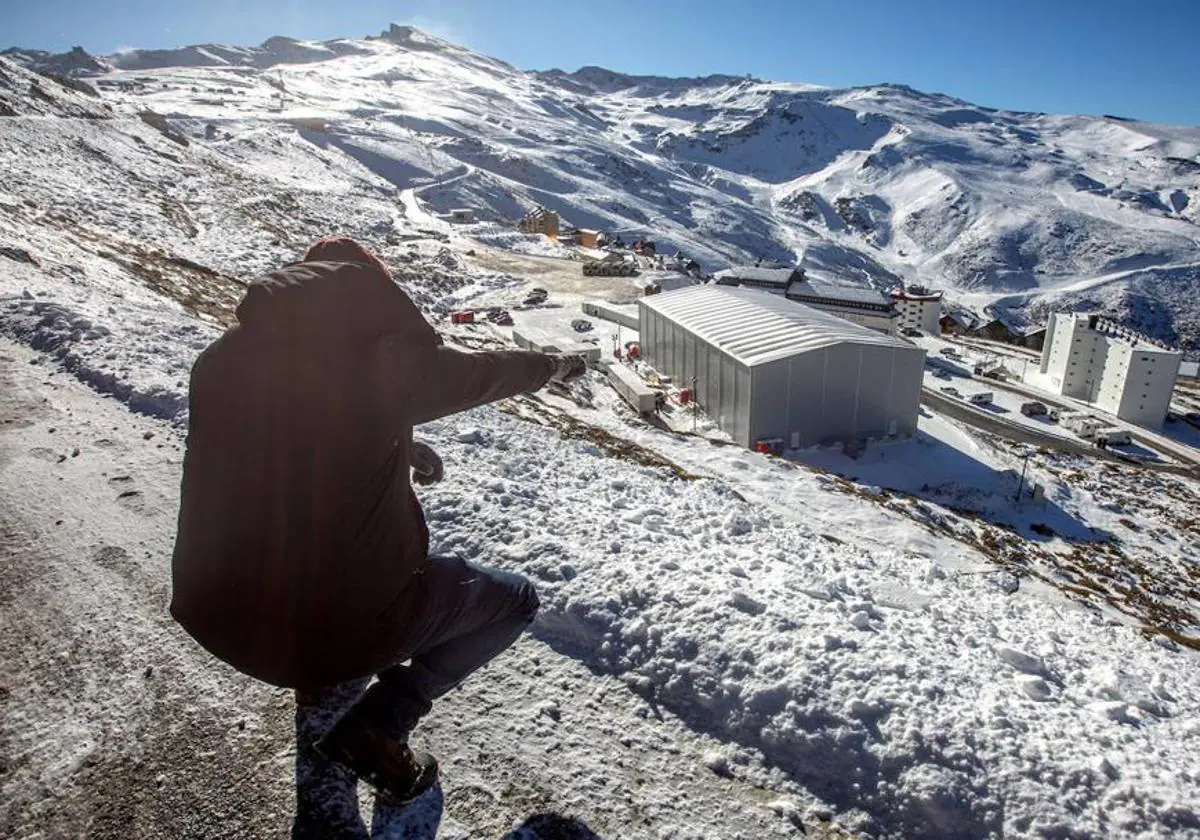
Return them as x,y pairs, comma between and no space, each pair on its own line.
455,381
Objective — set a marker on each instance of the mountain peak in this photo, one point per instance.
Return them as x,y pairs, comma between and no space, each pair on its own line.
75,62
410,37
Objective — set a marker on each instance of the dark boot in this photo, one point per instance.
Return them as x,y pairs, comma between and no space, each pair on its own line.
398,772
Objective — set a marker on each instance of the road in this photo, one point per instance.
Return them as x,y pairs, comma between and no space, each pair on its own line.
1184,454
988,422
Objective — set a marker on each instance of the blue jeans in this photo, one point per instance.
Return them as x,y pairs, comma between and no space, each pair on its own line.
457,618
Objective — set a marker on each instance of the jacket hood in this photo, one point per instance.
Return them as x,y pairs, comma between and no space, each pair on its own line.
354,300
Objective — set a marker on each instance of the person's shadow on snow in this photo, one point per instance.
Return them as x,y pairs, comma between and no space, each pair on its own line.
420,821
552,827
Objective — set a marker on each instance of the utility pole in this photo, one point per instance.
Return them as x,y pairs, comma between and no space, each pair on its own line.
1021,482
695,405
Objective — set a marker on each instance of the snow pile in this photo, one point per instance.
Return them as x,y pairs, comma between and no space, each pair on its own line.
137,362
924,701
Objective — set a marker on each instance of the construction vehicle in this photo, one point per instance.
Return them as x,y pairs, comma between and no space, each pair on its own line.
613,265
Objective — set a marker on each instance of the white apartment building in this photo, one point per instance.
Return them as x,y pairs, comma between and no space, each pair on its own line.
1095,359
919,309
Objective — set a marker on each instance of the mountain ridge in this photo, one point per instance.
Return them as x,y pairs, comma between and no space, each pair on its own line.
1008,211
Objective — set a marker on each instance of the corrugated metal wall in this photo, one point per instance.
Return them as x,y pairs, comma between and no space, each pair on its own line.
837,394
722,384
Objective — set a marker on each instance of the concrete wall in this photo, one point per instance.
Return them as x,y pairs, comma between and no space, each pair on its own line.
1149,383
1074,357
528,338
608,313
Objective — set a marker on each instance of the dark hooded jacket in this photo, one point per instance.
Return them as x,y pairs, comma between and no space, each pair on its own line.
298,528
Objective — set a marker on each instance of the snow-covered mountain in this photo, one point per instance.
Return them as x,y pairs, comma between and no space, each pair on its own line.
884,184
729,645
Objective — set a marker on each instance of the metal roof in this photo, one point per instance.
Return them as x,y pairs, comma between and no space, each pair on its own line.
779,276
814,285
758,327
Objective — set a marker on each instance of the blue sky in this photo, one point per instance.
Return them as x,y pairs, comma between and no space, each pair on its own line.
1132,59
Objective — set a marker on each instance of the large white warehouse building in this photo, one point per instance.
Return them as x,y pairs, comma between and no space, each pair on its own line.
1095,359
767,368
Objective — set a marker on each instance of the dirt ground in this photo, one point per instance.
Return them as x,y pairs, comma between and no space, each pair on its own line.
557,276
105,731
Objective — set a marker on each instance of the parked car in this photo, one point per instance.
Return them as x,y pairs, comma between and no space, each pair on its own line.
581,325
500,317
950,390
1033,408
911,333
1113,436
981,398
536,296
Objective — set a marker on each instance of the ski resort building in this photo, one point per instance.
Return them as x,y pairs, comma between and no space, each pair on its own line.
859,304
756,277
540,220
918,308
772,371
1097,360
1034,338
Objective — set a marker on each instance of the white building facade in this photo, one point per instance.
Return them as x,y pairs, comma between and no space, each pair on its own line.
918,309
1096,360
769,369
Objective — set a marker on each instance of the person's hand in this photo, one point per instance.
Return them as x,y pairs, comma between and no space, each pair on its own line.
426,464
568,367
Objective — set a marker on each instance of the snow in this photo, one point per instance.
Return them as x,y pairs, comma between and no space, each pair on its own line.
1024,212
730,644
